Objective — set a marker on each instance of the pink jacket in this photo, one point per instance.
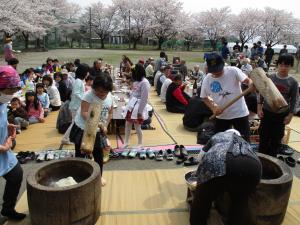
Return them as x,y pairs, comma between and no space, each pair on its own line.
32,112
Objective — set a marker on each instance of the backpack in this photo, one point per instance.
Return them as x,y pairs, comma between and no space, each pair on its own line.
205,132
64,118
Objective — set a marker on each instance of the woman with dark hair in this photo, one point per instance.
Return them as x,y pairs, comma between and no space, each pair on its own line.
76,97
53,93
125,66
136,108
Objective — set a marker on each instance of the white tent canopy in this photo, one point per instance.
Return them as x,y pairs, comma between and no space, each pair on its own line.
291,48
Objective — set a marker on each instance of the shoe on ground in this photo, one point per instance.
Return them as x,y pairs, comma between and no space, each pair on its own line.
159,155
143,154
298,160
290,161
169,155
150,153
41,157
18,131
183,151
125,153
191,161
132,153
177,151
13,215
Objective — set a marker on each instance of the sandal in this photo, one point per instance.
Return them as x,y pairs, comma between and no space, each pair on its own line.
191,161
169,155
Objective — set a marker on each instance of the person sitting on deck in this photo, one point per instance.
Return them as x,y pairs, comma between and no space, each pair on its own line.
176,99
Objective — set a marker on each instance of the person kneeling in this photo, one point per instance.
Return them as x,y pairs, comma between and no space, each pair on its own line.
195,113
176,99
227,164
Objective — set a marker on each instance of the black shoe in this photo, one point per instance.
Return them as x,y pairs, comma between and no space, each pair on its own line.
290,161
176,151
183,152
13,215
191,161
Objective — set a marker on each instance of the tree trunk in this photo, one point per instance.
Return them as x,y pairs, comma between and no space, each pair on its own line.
38,43
135,41
242,47
72,40
213,44
160,42
102,43
26,39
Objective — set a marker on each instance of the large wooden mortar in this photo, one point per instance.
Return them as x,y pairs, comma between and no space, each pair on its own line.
269,203
77,204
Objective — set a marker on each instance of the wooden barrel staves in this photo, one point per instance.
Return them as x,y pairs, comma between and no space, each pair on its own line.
78,204
90,131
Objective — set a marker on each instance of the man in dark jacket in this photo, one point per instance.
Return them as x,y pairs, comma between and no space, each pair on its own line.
269,55
96,70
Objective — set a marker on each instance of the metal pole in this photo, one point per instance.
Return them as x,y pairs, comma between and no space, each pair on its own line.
129,30
90,41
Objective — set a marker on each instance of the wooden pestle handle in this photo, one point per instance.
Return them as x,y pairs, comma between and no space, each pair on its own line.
245,92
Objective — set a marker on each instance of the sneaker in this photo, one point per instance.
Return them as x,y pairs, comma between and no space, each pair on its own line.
159,155
177,151
169,155
41,157
183,152
49,155
113,154
18,131
132,153
125,153
56,154
150,153
143,155
13,215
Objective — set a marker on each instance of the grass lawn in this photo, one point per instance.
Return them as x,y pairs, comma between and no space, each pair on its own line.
34,59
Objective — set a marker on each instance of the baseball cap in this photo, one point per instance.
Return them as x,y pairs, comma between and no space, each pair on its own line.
215,62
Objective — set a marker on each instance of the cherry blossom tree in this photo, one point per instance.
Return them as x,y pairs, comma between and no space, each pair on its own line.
164,15
277,25
213,24
246,25
103,20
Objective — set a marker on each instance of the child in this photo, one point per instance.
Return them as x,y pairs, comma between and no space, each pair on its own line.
136,108
53,93
10,169
17,115
43,98
34,108
88,83
273,123
76,97
61,86
99,94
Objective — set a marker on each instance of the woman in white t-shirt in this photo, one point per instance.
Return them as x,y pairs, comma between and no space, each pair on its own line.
100,94
220,86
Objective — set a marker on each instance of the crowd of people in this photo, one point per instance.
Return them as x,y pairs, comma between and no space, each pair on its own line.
28,98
